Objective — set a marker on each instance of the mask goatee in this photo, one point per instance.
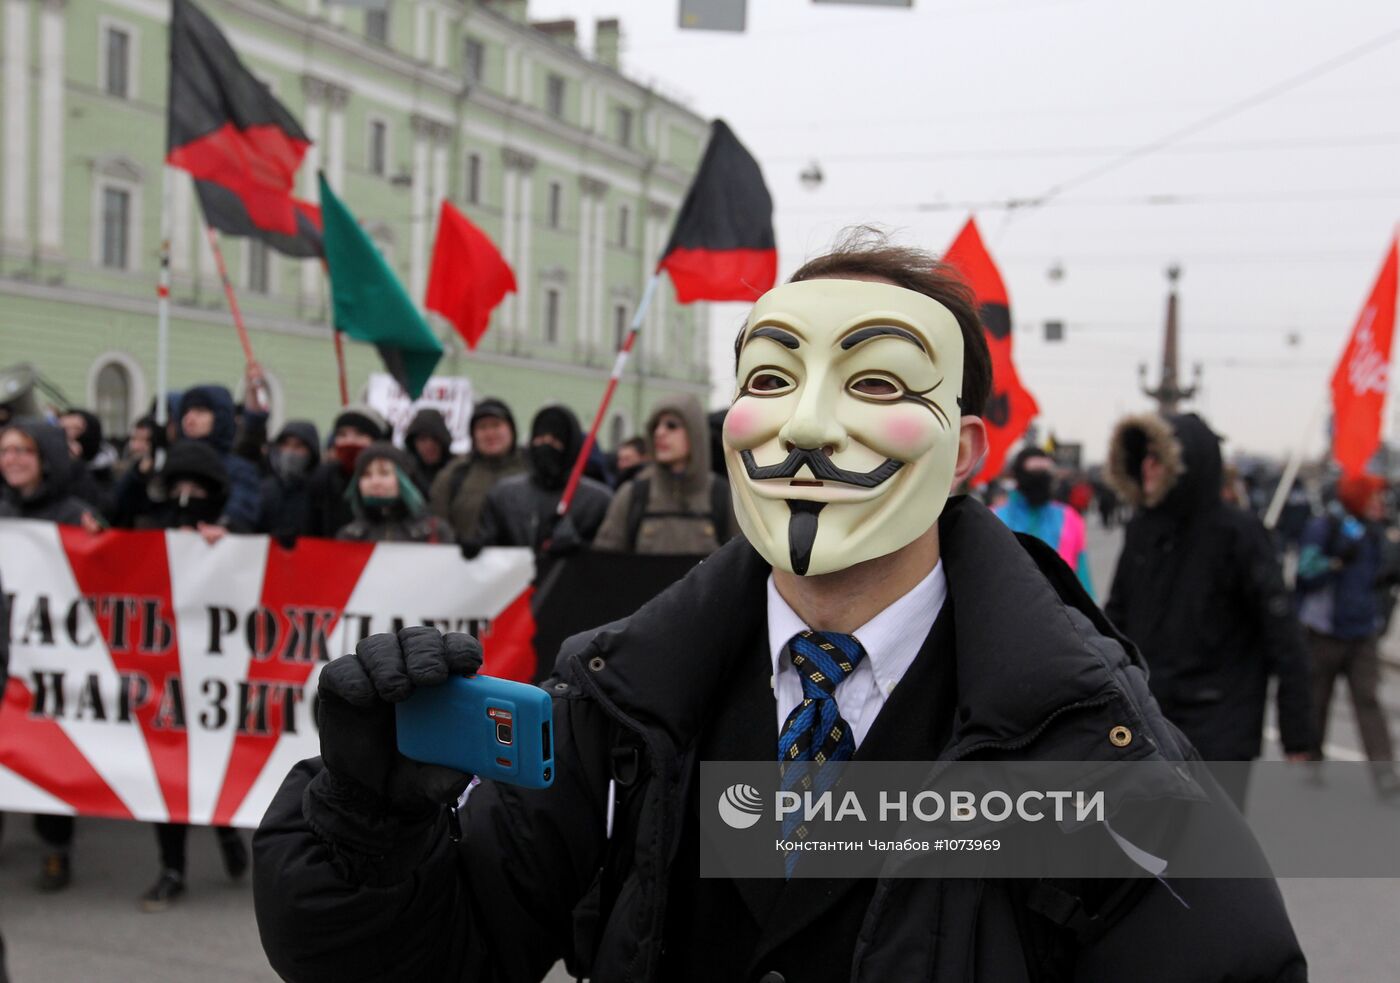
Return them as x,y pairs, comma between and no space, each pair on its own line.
802,533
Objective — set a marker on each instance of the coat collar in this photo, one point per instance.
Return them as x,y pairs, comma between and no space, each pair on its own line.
666,665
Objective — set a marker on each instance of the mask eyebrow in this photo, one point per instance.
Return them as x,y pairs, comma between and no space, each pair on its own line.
787,339
865,334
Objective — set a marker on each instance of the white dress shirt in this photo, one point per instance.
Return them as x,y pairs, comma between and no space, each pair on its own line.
891,640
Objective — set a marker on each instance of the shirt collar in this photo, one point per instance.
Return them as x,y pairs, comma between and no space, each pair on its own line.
891,639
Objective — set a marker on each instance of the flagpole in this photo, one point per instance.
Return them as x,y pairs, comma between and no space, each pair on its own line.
243,338
1295,461
619,366
163,301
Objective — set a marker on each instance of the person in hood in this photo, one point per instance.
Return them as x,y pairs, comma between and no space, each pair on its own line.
140,447
1199,588
459,491
285,509
429,442
1345,567
37,470
206,413
1030,509
191,492
676,505
355,428
387,503
95,459
522,510
865,614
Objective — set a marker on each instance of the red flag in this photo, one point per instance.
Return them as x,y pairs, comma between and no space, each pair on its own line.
1363,375
469,277
1011,407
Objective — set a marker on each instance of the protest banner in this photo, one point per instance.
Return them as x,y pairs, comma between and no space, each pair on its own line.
154,676
450,395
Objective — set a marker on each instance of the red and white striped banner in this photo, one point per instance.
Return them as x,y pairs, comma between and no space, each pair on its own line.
156,677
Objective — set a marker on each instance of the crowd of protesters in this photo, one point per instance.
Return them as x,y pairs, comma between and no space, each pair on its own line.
1199,585
214,470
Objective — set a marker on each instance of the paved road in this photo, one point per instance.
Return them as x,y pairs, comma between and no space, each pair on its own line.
94,931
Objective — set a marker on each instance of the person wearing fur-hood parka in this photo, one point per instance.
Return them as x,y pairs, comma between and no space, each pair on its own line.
677,504
1199,588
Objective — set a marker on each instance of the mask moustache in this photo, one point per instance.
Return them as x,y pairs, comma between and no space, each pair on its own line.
1035,486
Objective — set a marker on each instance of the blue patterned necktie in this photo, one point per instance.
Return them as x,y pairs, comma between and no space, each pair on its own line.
815,730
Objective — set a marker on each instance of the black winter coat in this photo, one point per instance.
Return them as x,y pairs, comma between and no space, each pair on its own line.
54,500
325,493
1199,589
344,895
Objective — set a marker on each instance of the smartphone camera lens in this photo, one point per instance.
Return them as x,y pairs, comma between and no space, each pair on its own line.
503,734
548,773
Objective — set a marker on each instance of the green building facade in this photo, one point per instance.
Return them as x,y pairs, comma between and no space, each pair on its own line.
573,170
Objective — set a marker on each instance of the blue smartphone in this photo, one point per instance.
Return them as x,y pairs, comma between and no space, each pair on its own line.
493,728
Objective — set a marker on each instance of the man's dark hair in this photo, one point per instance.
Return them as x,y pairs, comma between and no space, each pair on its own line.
868,252
636,443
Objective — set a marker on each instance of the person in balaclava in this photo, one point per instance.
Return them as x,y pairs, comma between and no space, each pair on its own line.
676,505
190,492
522,510
1199,588
459,491
36,473
1030,509
356,427
429,443
1347,568
387,503
285,509
825,633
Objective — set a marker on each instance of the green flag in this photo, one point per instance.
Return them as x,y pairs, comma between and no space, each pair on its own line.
369,302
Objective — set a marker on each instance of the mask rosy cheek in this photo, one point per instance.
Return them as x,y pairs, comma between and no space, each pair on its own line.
906,435
743,425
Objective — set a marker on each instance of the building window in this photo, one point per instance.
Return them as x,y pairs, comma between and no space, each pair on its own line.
554,96
619,325
114,399
551,315
624,225
377,25
624,125
473,179
474,59
259,267
556,204
116,81
116,228
378,147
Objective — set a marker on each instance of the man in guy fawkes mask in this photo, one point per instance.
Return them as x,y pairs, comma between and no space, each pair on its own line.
1029,509
827,632
521,510
285,510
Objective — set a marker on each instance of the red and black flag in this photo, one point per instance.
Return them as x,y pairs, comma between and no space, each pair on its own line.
1011,407
722,247
241,145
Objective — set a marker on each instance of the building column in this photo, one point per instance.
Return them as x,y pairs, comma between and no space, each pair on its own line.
16,125
421,15
181,198
51,123
440,36
656,217
418,211
335,98
600,271
315,91
519,169
584,331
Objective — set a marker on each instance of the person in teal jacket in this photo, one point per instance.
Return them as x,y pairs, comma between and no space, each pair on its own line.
1031,510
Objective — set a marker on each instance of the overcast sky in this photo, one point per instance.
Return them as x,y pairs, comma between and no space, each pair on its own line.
1282,214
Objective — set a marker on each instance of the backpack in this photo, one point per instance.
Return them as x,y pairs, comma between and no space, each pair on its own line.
718,515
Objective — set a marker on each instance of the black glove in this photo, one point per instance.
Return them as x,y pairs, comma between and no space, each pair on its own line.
565,539
355,714
471,549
